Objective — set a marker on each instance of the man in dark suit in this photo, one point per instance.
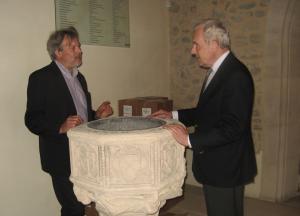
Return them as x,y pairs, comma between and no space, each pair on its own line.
223,151
58,100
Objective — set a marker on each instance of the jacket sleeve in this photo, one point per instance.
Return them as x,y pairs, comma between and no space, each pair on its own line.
234,118
35,115
187,116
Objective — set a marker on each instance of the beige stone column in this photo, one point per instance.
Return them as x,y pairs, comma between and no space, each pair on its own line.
281,152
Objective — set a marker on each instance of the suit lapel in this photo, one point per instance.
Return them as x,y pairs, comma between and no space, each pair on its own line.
87,95
216,81
82,83
64,89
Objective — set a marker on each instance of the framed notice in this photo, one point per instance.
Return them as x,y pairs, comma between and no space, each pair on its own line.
99,22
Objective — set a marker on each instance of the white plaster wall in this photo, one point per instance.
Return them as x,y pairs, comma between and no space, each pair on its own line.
112,73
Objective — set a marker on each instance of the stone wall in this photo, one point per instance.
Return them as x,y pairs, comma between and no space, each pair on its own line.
246,21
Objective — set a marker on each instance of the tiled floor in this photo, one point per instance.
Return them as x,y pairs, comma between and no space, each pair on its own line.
192,204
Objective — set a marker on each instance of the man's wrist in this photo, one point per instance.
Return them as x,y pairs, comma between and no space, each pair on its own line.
175,115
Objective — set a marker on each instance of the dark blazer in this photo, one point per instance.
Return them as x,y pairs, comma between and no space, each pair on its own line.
223,150
49,103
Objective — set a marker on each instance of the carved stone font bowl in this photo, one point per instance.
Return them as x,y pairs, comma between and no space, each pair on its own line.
127,165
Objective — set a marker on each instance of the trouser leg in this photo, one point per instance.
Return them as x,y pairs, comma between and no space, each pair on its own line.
63,189
224,201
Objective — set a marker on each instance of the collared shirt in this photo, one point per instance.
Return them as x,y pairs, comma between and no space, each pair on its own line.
75,89
214,68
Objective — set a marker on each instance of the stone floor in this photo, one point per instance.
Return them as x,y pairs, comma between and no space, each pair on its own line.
192,204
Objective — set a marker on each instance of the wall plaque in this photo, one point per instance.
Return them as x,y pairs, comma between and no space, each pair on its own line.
99,22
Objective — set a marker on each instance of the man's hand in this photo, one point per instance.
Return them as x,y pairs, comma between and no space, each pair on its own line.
179,132
104,110
161,114
70,122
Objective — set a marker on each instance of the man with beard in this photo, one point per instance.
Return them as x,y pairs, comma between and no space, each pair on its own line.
58,100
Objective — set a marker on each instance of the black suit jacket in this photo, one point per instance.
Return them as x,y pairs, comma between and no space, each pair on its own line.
223,150
49,103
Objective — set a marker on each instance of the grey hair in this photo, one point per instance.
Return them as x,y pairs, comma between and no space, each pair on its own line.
214,29
56,38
